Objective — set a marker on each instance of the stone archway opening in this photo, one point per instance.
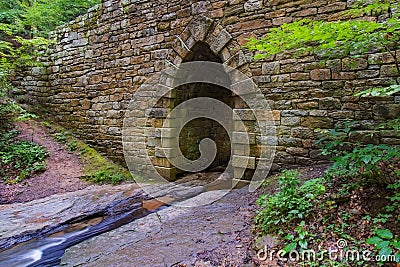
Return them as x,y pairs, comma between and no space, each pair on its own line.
237,152
198,129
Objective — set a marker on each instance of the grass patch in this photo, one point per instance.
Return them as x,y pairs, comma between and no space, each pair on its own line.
99,169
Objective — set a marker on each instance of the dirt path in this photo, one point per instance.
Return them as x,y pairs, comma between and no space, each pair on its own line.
62,173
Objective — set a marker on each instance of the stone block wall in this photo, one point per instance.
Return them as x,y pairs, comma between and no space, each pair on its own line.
102,58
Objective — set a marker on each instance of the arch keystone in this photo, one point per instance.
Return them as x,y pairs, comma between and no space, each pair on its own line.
200,27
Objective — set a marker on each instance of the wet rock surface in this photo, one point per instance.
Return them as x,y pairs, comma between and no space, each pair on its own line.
23,221
216,234
189,224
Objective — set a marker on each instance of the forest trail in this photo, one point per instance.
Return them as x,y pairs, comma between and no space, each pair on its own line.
62,174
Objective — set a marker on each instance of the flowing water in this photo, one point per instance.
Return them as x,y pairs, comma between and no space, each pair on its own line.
47,252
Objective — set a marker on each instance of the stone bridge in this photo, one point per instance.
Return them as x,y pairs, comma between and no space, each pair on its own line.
102,58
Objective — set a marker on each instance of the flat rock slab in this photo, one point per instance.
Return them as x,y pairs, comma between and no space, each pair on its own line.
208,235
21,221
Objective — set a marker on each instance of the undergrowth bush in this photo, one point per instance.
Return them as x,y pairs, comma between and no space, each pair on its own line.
372,163
292,202
20,158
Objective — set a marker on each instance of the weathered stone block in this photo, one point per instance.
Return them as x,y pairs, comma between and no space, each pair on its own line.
342,114
307,105
318,113
114,130
293,112
365,137
253,25
245,114
305,12
388,111
317,122
332,7
320,74
281,20
200,27
168,173
280,78
267,140
329,103
297,151
289,142
284,158
233,10
350,75
299,76
389,70
252,5
223,38
367,74
349,64
290,121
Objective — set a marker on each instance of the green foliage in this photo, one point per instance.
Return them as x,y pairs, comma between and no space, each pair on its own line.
20,158
395,199
60,137
326,38
291,203
17,52
337,39
385,243
72,145
367,161
107,175
37,18
297,240
390,90
332,38
25,23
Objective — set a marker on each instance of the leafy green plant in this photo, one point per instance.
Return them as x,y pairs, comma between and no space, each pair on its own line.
365,161
106,175
60,137
385,243
26,116
291,203
72,145
22,158
372,163
395,199
377,91
338,38
37,18
297,240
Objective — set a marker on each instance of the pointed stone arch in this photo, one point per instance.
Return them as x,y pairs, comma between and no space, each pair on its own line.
218,41
221,42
